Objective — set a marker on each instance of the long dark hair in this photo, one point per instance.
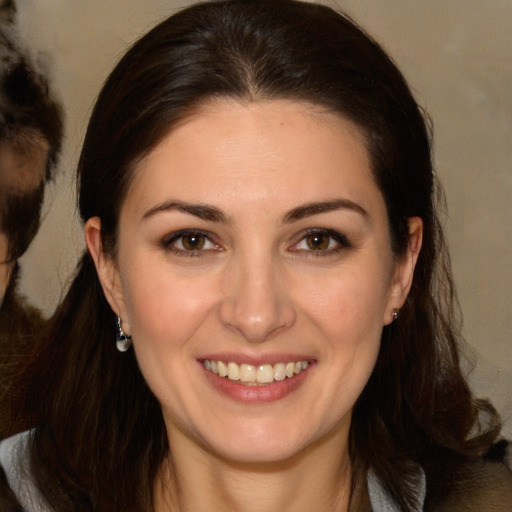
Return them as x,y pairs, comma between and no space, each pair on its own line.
99,438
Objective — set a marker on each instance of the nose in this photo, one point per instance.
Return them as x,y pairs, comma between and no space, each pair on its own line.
256,303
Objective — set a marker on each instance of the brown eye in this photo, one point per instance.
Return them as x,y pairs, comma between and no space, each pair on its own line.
193,241
322,242
190,243
318,241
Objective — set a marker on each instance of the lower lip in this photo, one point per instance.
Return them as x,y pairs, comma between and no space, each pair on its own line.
259,394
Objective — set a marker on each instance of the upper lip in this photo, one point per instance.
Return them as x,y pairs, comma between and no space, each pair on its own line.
254,359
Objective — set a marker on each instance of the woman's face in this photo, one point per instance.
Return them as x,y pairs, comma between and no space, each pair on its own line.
254,242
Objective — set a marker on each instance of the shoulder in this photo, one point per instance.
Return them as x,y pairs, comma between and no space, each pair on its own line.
476,485
17,492
8,449
12,450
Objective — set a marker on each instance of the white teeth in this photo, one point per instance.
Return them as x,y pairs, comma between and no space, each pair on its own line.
247,372
279,371
233,371
223,369
265,374
262,374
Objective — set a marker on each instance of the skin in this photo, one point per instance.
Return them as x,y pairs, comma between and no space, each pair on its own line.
257,289
5,268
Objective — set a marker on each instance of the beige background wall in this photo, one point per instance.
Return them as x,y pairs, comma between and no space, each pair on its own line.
457,56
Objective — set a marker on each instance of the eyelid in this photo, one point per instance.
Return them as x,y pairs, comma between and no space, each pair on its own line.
168,241
341,240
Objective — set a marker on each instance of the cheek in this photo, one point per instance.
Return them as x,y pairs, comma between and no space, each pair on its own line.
165,313
164,309
353,301
348,316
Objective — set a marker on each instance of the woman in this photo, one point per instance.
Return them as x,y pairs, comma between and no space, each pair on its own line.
264,253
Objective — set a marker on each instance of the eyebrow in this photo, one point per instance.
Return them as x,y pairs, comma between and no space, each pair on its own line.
202,211
213,214
309,209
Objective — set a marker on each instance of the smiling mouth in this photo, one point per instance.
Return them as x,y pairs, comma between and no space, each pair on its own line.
254,375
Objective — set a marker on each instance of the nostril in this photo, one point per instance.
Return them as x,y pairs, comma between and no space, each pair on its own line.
255,305
255,327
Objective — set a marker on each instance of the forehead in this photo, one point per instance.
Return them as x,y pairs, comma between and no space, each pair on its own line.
255,151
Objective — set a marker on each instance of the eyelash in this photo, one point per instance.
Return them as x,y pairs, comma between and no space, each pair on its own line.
340,240
168,243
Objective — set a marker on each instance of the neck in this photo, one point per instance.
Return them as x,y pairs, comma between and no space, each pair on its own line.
196,480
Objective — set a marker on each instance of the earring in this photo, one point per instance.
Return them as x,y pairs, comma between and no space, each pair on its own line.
123,340
395,314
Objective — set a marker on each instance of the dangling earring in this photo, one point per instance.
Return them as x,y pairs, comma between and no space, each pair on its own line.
395,314
123,340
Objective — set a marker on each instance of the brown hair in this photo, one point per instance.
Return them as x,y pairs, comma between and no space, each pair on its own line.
100,437
31,127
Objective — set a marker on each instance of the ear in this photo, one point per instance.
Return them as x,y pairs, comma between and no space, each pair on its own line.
404,269
107,270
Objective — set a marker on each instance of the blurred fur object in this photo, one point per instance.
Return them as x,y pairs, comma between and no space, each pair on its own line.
30,141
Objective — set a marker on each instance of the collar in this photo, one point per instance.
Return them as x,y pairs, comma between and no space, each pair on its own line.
382,501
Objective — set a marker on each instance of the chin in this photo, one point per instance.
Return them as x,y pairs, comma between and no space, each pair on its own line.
261,454
262,444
